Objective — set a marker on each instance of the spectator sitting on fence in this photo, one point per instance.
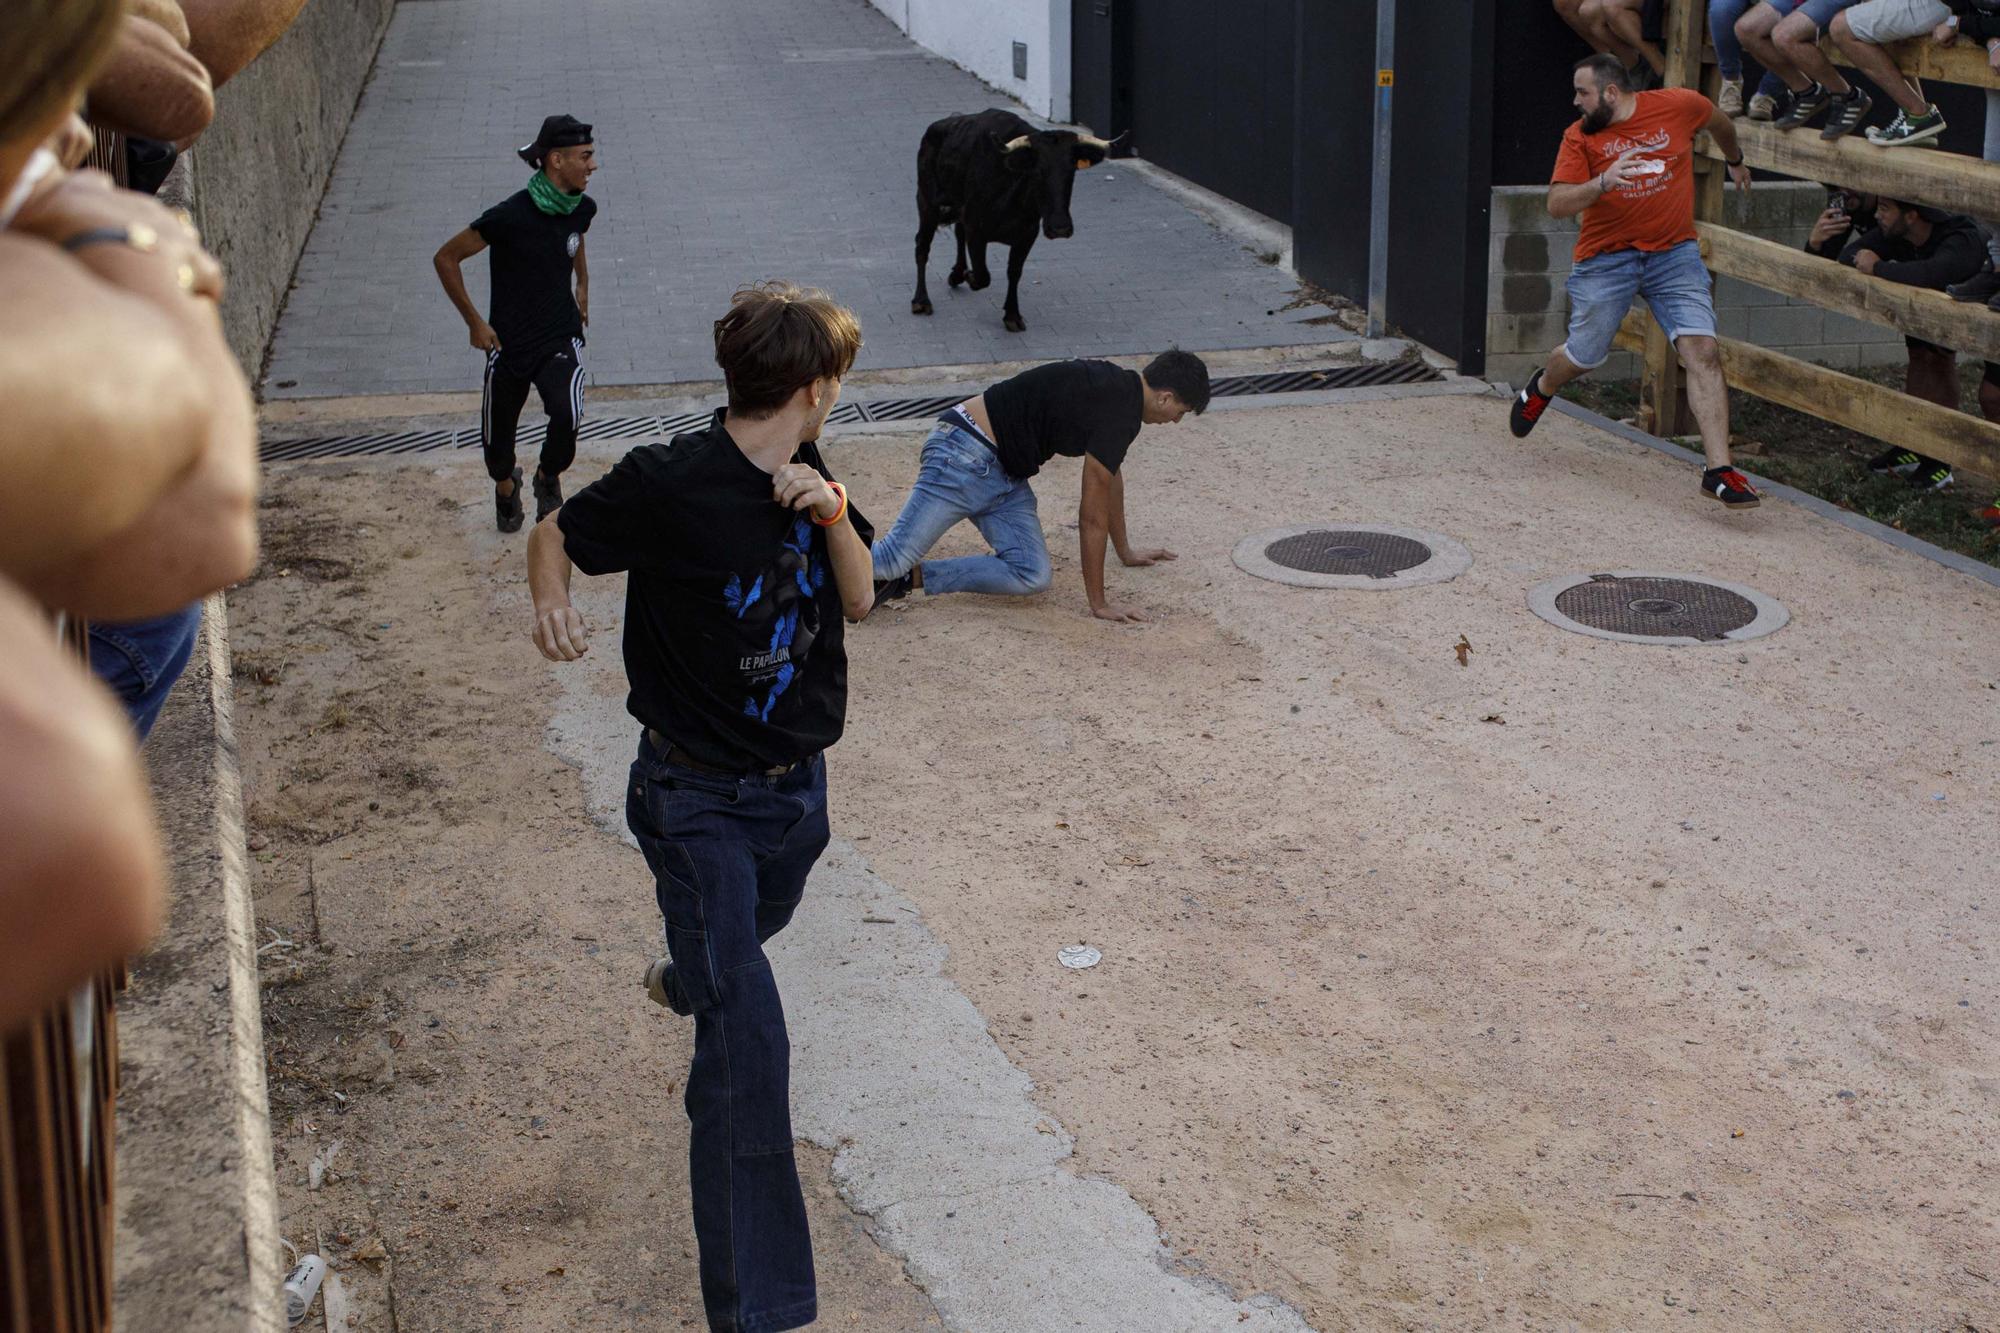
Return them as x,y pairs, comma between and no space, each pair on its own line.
1784,36
1920,247
1592,20
1722,19
1862,31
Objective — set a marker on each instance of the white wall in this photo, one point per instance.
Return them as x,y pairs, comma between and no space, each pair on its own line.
980,35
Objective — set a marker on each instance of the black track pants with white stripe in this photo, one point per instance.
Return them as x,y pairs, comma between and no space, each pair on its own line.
559,380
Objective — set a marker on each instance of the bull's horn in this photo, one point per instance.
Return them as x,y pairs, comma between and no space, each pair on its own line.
1014,145
1092,141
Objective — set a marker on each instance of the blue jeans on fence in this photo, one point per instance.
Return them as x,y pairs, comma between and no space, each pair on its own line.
140,660
729,857
959,477
1722,16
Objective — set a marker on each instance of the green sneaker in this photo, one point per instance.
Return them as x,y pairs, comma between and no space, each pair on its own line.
1906,130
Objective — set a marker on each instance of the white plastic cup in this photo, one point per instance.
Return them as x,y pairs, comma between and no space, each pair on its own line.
301,1285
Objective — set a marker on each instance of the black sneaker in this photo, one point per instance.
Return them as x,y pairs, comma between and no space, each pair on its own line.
662,988
1849,109
1731,487
1931,475
1906,130
1804,107
893,590
548,495
507,513
1529,404
1895,462
1982,286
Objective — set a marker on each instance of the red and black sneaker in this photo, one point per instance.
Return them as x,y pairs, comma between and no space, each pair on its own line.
1731,487
1990,515
1529,404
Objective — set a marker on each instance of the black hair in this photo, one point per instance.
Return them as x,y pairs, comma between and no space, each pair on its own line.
1608,69
1183,374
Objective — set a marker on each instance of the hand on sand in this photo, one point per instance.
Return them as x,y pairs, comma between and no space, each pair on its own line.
1140,559
1121,615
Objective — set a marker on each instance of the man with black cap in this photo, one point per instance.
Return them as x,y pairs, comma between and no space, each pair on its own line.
534,335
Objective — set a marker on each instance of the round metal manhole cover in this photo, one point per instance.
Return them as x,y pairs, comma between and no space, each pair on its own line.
1376,555
1340,555
1640,607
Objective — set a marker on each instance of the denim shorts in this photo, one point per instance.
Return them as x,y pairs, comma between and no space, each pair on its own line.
1879,22
1674,283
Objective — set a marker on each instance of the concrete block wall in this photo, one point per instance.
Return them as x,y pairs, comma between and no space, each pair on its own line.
1527,308
980,37
258,172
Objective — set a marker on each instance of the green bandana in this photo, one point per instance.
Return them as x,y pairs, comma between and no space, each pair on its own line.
549,199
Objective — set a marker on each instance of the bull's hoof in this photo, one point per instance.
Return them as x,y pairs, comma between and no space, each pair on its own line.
1015,324
920,307
979,282
956,277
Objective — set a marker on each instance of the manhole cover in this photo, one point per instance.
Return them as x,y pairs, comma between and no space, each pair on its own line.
1657,608
1374,554
1339,555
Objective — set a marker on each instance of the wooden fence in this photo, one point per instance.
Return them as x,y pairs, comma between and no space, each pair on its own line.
1943,180
58,1086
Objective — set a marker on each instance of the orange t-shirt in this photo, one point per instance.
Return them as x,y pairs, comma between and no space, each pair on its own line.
1652,212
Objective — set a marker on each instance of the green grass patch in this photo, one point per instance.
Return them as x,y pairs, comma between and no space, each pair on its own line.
1831,462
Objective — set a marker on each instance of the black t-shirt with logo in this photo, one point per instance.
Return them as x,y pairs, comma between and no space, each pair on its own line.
1065,407
733,624
533,304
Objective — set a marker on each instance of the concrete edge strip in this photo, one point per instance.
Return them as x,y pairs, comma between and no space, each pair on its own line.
1449,558
1846,518
246,1015
1772,615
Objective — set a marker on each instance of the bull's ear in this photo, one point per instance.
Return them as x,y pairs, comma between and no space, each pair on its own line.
1088,154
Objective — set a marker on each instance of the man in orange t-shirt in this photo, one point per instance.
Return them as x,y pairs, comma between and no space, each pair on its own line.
1627,166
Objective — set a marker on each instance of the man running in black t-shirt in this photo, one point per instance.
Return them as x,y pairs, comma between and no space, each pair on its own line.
741,557
977,462
535,335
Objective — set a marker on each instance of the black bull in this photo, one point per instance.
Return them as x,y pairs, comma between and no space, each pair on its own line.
1000,180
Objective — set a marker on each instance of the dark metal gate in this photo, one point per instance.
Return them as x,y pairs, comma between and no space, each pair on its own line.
1212,94
1100,34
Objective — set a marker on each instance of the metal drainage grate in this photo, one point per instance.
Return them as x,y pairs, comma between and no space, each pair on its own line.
887,409
1657,608
1375,555
1361,375
1332,555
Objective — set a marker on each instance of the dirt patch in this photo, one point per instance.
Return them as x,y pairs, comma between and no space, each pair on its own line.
452,950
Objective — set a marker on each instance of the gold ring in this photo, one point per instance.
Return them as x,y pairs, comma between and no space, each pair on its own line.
186,219
185,275
142,238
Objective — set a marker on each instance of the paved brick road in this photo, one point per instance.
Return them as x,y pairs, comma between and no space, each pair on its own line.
739,140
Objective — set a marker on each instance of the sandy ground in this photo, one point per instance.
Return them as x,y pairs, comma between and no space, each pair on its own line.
1584,985
461,1010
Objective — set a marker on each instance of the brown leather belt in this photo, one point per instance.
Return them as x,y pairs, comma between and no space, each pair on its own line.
674,754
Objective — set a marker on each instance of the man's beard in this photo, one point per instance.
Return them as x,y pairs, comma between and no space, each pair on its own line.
1596,118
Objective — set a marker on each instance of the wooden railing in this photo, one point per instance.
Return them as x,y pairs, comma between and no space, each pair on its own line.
1943,180
58,1084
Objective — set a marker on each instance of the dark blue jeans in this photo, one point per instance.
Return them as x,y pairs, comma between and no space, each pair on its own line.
729,858
140,660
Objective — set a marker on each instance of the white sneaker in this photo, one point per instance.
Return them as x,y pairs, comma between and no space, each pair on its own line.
1730,103
1764,107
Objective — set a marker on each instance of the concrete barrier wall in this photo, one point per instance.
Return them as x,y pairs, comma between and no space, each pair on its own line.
258,173
1527,309
980,38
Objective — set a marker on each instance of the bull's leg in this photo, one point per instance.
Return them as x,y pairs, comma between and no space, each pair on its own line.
920,304
957,278
981,279
1017,259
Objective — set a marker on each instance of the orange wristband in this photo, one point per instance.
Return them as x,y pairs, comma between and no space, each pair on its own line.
839,513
